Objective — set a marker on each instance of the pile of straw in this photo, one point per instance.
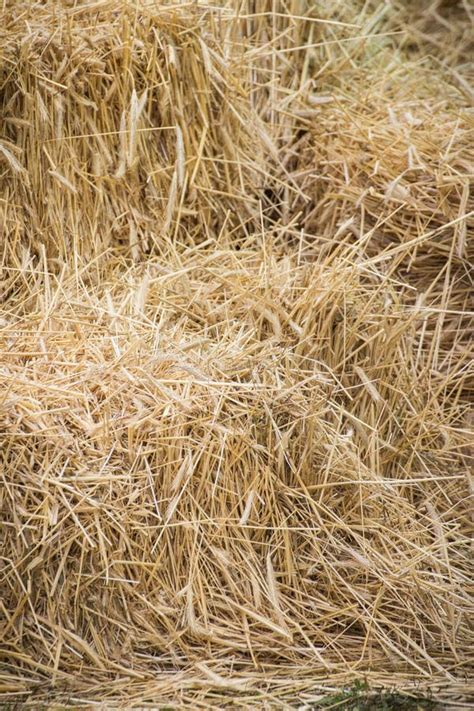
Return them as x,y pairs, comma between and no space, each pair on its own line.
236,377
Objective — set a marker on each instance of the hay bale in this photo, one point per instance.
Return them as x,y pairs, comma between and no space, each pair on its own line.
127,125
396,164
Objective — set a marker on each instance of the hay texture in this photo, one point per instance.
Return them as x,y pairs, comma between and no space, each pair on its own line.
235,353
124,125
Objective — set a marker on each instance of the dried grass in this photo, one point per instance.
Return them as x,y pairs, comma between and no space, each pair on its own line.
235,353
124,129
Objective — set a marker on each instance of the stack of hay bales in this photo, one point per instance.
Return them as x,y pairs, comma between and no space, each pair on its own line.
234,355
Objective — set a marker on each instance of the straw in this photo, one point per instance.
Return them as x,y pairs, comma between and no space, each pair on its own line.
139,116
235,353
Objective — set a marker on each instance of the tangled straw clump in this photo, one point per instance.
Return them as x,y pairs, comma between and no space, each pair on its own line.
235,354
219,460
